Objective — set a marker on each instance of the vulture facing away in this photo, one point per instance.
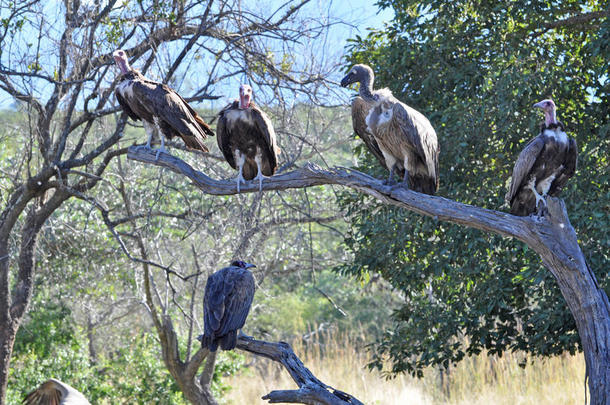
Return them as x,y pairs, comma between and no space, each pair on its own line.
399,136
226,303
246,138
55,392
543,167
160,108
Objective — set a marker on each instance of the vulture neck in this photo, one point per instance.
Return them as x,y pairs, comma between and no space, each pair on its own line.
550,117
366,88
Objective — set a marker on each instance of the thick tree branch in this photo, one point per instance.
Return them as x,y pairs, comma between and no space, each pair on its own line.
311,390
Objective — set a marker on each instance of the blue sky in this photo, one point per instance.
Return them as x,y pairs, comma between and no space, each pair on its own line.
358,14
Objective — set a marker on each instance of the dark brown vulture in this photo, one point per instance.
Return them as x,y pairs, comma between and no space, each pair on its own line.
160,108
55,392
226,303
543,167
398,135
246,138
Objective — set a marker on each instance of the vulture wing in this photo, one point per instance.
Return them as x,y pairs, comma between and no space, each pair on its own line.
569,164
55,392
238,299
524,164
165,103
360,110
419,133
214,303
265,127
125,106
223,135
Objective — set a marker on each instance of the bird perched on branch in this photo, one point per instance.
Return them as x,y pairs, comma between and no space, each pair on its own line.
543,167
246,138
226,303
401,138
55,392
161,109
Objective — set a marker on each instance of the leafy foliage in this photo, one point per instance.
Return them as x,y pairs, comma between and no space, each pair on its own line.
475,69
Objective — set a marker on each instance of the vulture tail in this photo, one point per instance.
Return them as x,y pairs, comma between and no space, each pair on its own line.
204,126
209,342
229,341
422,183
194,142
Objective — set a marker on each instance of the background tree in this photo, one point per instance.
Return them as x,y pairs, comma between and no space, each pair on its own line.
56,64
475,69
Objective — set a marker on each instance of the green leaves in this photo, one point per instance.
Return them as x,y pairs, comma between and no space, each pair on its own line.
475,68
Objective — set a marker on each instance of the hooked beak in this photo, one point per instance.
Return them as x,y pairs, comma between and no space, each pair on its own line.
250,265
539,105
345,81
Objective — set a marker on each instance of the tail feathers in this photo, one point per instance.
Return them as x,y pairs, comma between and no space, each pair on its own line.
423,184
228,341
194,142
209,342
204,126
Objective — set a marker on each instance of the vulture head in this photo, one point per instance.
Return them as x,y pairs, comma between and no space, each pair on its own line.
548,106
241,263
362,74
245,96
120,57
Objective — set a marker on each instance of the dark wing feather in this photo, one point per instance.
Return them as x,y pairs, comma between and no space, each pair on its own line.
223,135
213,304
268,140
524,165
238,301
202,124
166,104
125,106
47,393
420,134
570,163
360,110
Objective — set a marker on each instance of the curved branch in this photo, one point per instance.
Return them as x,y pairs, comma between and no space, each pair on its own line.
311,390
437,207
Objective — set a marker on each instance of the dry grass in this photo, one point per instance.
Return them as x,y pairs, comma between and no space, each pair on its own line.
479,380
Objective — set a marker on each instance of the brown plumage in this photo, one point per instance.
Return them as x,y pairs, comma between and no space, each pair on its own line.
246,138
543,166
403,136
55,392
160,108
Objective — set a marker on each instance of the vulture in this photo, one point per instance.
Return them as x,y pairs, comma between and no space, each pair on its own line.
246,138
226,303
160,108
543,167
55,392
399,136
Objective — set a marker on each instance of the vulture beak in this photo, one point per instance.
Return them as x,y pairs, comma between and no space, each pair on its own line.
120,57
539,105
249,265
345,81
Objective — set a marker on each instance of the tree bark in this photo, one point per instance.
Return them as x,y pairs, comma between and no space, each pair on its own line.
551,236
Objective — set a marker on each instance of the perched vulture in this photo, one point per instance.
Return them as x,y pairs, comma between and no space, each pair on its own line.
246,138
55,392
226,303
160,108
399,136
543,167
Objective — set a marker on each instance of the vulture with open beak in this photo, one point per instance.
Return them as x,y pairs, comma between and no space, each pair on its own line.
55,392
226,303
543,167
246,138
399,136
161,109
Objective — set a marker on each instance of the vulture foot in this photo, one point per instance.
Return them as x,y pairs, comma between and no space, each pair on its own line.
260,178
161,149
240,179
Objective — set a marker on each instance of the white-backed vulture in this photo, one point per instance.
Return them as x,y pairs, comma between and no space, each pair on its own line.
399,136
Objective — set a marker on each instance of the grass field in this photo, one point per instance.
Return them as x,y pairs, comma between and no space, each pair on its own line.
477,380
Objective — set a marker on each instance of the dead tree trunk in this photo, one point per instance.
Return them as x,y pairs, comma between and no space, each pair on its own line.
551,236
